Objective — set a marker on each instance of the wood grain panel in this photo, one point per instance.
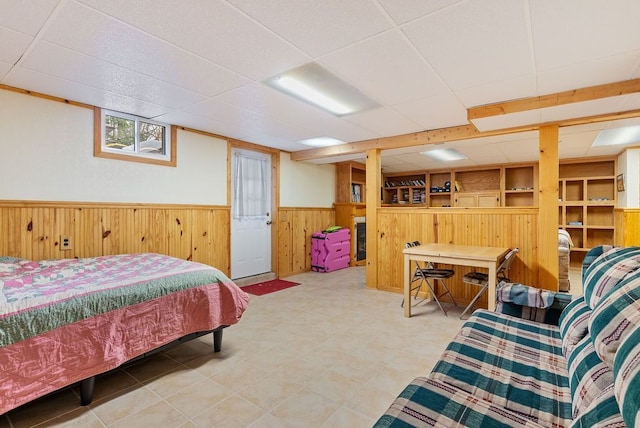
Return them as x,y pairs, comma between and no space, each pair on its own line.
33,229
295,228
627,227
504,227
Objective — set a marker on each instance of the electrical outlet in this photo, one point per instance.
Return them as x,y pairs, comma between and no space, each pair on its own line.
65,243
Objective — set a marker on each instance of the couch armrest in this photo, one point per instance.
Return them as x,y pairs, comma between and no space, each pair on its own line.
527,302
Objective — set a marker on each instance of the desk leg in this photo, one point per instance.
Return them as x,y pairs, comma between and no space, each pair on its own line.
407,286
491,298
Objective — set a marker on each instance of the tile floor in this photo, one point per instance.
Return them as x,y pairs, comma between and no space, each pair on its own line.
327,353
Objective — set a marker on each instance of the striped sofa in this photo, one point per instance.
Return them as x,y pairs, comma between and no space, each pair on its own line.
504,371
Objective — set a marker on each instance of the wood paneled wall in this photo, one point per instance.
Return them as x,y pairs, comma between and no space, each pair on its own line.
295,227
627,227
32,230
504,227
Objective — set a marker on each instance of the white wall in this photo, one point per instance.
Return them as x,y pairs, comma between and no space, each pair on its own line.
305,184
46,153
629,166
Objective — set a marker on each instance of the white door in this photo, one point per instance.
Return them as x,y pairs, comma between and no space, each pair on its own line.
250,213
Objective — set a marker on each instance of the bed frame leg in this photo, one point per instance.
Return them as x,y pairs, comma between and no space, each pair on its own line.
86,390
217,340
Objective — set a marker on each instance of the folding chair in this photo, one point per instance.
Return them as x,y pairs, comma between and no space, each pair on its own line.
422,275
481,279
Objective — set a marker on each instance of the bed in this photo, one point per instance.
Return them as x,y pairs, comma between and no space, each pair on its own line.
66,321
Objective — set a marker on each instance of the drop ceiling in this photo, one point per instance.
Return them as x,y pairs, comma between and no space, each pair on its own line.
202,63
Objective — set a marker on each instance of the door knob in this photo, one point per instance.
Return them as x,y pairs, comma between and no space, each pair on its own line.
269,222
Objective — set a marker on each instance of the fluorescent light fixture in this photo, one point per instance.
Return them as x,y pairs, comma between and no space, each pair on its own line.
612,137
312,95
321,142
315,85
444,155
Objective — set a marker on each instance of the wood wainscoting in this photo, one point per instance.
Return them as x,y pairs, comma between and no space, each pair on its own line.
504,227
295,227
627,226
32,230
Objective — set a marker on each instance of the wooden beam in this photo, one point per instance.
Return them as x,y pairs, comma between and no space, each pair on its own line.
548,209
442,135
434,136
556,99
372,198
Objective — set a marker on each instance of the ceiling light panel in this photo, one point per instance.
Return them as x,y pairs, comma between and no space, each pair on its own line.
321,142
444,155
313,84
618,136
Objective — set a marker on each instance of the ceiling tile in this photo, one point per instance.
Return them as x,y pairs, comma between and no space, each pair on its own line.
582,109
384,121
26,16
317,27
574,31
405,10
631,102
264,100
387,68
505,121
80,28
264,54
4,69
13,45
475,43
506,90
520,151
435,112
615,68
66,89
50,59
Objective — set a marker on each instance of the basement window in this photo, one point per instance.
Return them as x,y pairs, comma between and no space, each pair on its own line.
132,138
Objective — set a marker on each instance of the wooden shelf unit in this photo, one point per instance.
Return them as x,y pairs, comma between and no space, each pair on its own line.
351,179
520,183
405,189
587,199
488,186
437,187
477,187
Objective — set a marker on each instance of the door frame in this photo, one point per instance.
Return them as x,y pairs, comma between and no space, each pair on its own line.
275,196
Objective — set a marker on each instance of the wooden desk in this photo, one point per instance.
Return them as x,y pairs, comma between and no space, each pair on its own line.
462,255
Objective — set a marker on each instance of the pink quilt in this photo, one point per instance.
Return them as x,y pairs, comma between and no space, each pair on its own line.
62,321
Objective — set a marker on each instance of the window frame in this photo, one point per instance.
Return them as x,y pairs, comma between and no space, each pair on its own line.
100,150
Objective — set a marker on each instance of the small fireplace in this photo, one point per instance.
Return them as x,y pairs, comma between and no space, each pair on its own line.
360,238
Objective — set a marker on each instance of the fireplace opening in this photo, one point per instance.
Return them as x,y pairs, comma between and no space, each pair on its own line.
361,238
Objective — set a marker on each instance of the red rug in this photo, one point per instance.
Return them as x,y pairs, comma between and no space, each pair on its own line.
267,287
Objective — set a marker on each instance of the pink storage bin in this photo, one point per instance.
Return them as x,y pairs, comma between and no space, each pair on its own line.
330,251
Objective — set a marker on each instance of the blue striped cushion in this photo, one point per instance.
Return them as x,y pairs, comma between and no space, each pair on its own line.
429,403
602,413
523,338
626,368
616,317
537,390
607,271
574,324
588,375
591,256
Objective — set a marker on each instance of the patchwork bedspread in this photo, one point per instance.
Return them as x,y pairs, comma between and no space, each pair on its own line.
62,321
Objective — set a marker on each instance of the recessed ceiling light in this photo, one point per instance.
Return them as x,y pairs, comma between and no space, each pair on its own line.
321,142
444,155
315,85
612,137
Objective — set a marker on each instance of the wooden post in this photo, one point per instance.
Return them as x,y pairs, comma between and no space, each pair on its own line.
373,202
548,209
